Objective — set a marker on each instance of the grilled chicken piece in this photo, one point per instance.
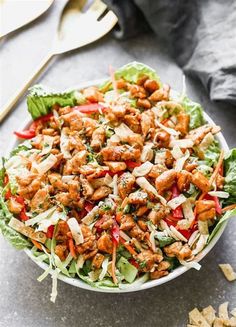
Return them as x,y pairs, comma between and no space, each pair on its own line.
74,120
14,206
100,193
147,122
93,94
178,250
61,231
138,197
97,261
120,153
98,138
165,180
158,274
157,170
86,187
55,180
182,123
183,180
115,166
158,213
162,139
78,160
61,251
161,94
89,244
127,222
105,244
197,134
125,184
201,182
205,209
40,200
137,233
149,259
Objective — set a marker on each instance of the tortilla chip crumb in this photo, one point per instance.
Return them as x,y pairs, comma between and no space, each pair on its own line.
208,318
228,271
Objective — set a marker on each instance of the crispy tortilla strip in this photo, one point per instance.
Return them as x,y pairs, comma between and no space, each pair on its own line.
218,323
223,310
209,314
233,312
195,317
228,271
20,227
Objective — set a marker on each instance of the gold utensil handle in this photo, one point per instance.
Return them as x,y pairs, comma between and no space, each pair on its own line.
20,92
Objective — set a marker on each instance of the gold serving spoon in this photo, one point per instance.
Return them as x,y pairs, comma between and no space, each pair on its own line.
82,22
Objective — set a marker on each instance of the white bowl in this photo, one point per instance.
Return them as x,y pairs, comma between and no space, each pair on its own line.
150,283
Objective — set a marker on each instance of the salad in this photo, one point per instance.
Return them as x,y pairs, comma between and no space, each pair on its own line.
116,184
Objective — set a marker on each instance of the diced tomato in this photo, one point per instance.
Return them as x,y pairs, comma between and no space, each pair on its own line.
178,212
132,164
90,108
134,263
88,206
115,233
8,194
106,171
20,199
50,231
23,215
186,232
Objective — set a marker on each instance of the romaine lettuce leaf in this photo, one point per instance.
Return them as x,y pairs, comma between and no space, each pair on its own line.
212,154
229,214
195,111
230,176
25,146
40,100
133,70
13,237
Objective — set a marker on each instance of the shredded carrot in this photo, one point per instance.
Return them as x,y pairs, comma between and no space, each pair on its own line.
230,207
218,166
128,247
113,80
118,217
37,244
113,264
72,248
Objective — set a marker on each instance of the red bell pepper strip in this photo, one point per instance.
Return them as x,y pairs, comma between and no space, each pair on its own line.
88,206
50,231
31,132
90,108
8,194
115,233
132,164
27,134
20,200
23,215
178,212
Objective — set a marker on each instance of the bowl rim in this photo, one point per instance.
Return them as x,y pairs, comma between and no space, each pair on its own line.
149,283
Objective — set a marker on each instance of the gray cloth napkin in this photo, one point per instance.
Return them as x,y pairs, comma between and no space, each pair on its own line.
200,34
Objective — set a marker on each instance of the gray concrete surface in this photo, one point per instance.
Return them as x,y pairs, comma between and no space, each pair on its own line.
23,301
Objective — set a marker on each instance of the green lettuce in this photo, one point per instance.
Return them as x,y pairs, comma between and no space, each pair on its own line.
195,111
40,100
212,154
230,176
229,214
133,70
25,146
